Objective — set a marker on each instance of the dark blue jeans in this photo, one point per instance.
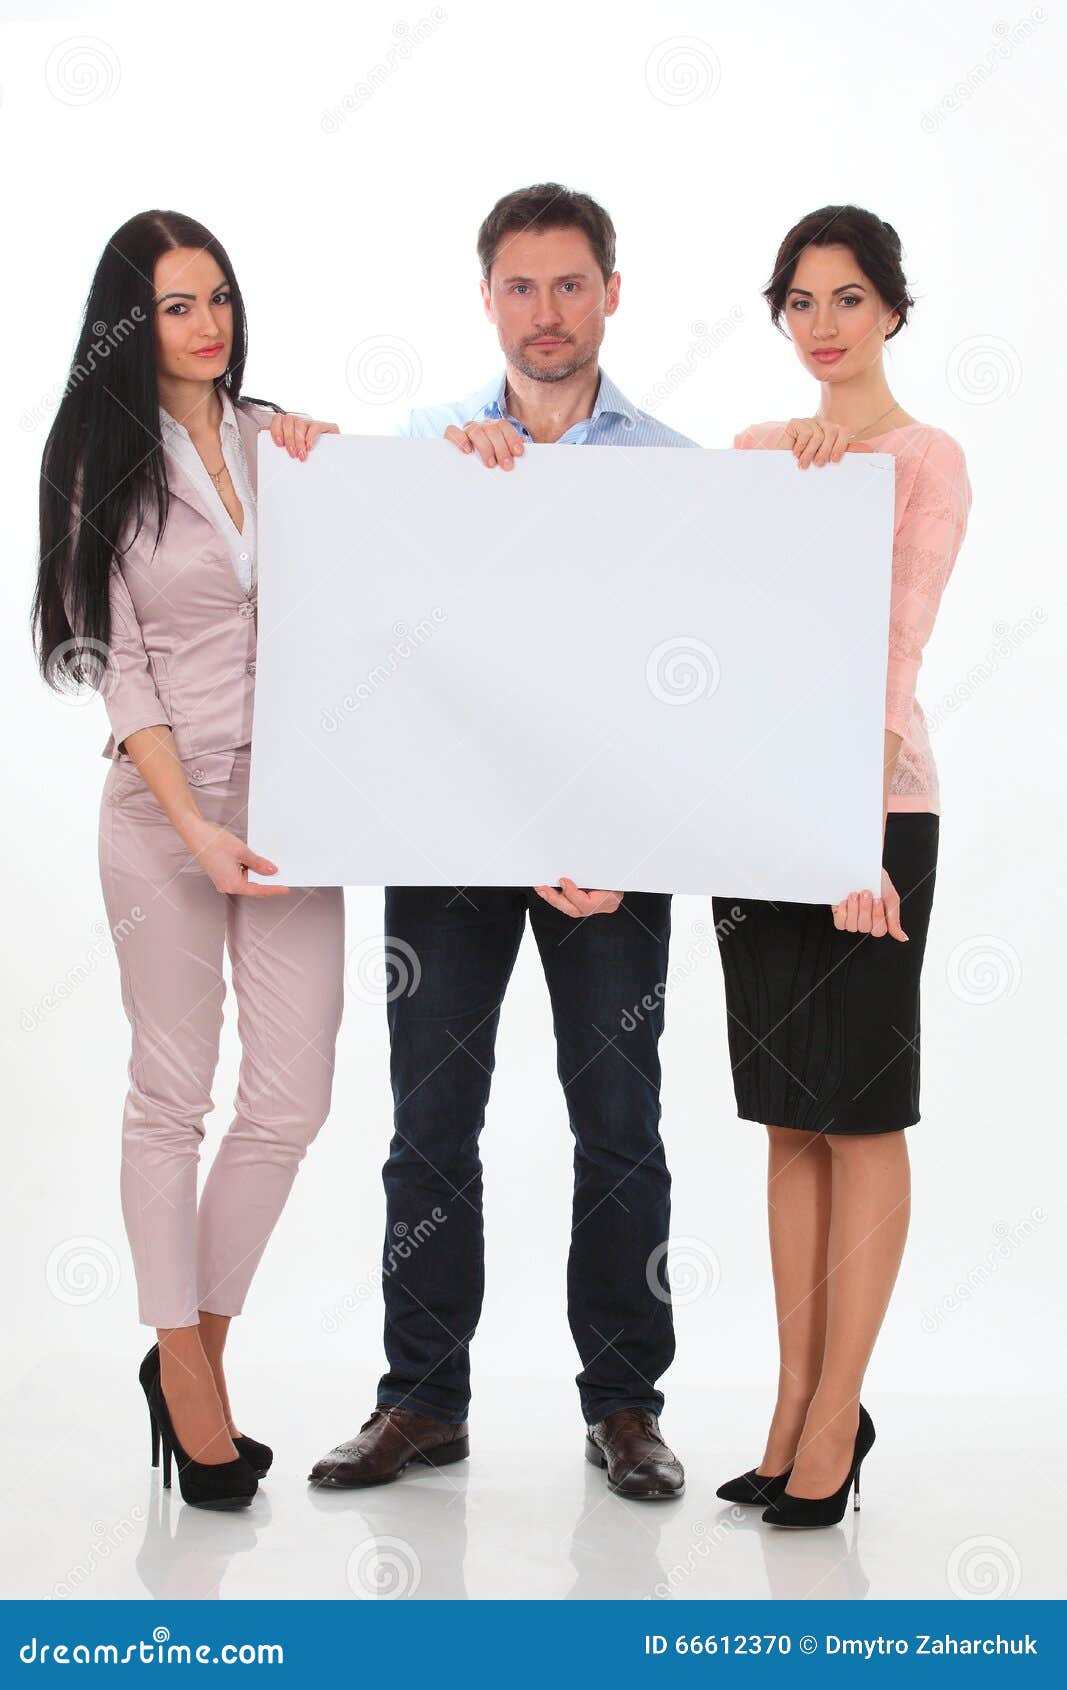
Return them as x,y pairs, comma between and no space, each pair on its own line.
606,979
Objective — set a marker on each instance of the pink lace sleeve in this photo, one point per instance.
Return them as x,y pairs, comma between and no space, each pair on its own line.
928,538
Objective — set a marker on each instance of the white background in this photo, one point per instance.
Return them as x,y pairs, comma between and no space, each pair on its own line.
707,130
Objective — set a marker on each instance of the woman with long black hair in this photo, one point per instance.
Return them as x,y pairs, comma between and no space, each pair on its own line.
824,1008
147,590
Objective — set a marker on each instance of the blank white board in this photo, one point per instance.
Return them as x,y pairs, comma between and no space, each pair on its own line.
649,669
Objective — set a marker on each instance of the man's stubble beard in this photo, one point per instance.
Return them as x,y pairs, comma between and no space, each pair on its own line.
538,372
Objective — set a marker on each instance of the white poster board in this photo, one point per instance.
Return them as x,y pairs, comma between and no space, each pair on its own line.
655,669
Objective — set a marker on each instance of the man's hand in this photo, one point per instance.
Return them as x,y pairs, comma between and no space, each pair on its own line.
494,442
574,902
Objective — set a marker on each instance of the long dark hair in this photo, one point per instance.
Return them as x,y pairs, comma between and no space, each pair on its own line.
102,467
873,243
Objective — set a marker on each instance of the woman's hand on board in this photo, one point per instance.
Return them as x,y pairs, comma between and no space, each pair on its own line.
226,860
862,912
298,434
814,442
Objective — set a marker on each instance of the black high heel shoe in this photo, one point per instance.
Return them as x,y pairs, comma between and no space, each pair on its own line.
259,1456
810,1511
224,1484
753,1487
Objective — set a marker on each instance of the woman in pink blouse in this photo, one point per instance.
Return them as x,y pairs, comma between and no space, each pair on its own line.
823,1007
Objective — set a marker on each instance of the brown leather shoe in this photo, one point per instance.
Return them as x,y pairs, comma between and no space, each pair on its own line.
639,1464
387,1443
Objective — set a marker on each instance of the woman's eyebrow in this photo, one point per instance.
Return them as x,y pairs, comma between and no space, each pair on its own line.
846,287
174,294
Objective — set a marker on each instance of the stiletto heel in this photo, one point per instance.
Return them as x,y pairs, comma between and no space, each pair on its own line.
810,1511
259,1456
224,1484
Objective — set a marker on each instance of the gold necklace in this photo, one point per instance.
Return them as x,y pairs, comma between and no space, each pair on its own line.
217,475
893,407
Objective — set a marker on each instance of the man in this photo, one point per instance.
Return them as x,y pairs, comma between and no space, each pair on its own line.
549,284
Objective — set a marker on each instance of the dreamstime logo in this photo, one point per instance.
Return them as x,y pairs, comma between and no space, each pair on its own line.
379,970
103,946
105,1539
101,347
701,1545
401,1247
682,70
405,39
983,369
407,641
691,1266
80,670
984,969
383,1569
383,369
983,1567
82,1270
705,341
161,1650
1009,1239
1009,37
1007,638
682,670
706,941
82,70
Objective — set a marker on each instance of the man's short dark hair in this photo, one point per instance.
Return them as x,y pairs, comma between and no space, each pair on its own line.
547,205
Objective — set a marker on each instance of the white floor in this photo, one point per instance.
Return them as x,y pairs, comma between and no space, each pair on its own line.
956,1502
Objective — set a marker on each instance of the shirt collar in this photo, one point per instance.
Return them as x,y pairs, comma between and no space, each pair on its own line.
610,401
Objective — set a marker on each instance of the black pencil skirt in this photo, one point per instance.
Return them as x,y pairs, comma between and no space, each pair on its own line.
824,1026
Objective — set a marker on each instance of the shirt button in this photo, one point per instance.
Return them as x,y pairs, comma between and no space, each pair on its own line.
244,557
250,668
246,609
196,776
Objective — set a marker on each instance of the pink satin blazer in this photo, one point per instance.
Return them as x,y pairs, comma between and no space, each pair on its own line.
183,631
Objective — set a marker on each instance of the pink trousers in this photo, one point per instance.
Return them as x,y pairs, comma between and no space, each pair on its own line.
171,929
